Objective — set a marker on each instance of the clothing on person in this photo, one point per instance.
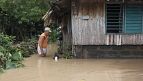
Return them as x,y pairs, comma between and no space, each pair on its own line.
42,50
42,44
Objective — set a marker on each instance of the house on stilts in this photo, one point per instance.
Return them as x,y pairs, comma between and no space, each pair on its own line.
100,28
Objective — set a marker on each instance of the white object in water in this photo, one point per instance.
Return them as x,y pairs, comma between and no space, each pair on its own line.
56,58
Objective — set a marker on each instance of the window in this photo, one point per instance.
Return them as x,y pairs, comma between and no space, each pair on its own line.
134,1
124,17
114,18
134,18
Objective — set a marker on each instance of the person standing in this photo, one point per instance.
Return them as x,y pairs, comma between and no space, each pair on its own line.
43,42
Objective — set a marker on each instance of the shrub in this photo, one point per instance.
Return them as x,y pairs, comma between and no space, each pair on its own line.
67,51
53,35
10,57
28,47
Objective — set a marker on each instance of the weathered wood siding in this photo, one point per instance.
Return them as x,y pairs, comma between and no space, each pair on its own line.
88,26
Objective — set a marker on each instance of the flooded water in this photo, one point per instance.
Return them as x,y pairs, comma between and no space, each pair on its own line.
46,69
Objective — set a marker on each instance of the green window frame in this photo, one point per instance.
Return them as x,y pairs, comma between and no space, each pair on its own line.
133,18
123,17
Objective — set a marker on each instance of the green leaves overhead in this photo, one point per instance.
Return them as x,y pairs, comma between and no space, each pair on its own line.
22,18
25,10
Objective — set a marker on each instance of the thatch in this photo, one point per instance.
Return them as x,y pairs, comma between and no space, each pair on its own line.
47,18
55,13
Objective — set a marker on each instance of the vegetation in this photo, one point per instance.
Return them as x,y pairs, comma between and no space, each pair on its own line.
10,57
54,34
20,25
28,47
67,51
22,18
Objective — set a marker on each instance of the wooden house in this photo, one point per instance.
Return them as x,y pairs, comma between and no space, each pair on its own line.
100,28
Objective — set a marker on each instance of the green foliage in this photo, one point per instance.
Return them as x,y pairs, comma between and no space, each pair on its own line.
10,57
25,10
23,16
67,53
1,70
17,56
53,35
14,64
6,40
28,47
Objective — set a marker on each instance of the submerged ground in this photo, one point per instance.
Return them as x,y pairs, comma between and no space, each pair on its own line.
46,69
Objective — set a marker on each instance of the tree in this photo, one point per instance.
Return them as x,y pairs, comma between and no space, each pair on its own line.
22,18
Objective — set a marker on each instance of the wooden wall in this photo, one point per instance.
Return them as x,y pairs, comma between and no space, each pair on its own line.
88,26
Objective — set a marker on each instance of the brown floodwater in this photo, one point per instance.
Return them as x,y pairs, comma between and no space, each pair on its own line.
46,69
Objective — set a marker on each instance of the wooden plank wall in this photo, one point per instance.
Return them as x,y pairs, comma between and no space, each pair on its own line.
88,26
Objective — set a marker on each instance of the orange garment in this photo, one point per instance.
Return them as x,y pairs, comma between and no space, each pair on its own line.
43,41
